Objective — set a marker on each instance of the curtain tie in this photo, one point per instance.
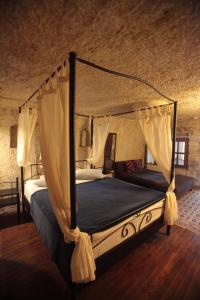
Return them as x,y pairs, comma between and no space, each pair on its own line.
82,263
171,208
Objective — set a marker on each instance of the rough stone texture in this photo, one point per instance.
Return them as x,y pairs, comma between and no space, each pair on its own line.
9,169
157,40
191,128
8,166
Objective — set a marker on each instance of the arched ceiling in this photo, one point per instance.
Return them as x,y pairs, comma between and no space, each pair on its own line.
156,40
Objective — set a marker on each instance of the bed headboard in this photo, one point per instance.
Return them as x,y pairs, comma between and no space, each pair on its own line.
33,171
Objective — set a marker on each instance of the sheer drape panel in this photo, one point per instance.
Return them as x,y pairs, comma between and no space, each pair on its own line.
100,133
171,209
26,125
55,151
156,127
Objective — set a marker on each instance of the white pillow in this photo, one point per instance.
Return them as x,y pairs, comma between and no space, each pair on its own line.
41,182
89,174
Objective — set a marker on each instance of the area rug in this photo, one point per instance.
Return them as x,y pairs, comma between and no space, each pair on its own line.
189,211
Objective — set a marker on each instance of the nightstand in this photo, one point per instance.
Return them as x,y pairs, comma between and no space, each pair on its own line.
10,196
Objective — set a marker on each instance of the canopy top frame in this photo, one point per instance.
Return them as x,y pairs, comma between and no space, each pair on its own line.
72,87
103,69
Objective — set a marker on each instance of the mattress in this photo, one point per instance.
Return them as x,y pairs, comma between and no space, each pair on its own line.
109,209
104,203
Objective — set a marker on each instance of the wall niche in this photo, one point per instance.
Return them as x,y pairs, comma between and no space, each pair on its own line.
13,136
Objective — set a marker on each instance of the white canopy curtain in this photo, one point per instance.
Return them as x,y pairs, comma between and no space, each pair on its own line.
156,127
26,125
55,151
100,133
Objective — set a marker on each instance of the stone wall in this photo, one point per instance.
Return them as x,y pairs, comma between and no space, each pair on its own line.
191,128
130,141
129,144
8,166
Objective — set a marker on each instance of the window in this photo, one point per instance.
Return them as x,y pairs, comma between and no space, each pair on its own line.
149,158
181,153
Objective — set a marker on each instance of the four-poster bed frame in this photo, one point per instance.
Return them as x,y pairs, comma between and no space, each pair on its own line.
72,88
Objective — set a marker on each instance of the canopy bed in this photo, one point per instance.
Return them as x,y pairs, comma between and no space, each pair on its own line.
81,217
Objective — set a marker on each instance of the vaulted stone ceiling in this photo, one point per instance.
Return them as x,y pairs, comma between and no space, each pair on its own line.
156,40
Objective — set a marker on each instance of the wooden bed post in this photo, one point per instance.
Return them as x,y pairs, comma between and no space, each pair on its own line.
72,69
173,152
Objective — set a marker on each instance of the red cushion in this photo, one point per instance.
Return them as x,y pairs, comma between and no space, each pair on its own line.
133,165
129,166
137,163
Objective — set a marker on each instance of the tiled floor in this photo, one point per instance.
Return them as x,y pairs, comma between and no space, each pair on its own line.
189,211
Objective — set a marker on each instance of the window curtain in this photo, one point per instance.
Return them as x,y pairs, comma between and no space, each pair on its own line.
156,127
55,151
100,133
26,125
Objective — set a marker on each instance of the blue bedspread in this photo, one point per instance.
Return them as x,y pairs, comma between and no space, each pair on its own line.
101,204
